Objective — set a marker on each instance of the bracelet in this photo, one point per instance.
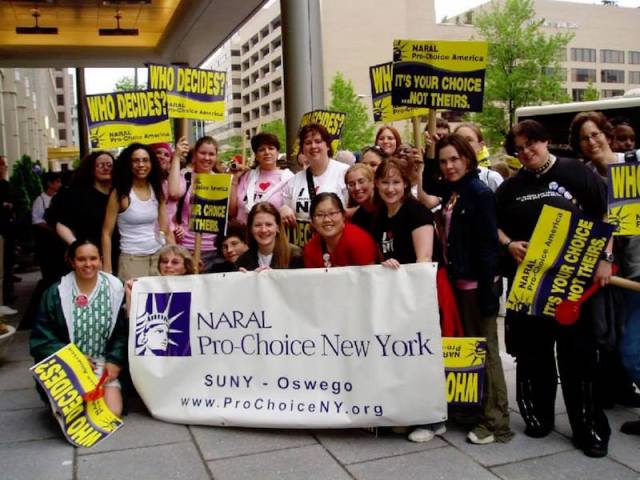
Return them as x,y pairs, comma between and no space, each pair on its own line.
506,244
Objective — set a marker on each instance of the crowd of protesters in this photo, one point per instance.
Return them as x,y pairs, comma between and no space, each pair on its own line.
394,206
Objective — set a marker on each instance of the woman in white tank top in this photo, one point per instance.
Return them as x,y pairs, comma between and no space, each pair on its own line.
137,206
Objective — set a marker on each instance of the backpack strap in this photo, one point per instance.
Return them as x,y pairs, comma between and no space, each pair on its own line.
187,179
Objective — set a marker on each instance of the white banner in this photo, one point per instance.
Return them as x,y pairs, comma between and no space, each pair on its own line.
337,348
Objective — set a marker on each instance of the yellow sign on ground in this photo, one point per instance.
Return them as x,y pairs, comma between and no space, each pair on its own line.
464,366
192,92
65,376
439,74
624,198
120,118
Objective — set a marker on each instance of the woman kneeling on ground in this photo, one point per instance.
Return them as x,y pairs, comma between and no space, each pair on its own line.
84,308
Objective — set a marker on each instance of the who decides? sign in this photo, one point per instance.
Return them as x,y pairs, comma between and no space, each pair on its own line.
337,348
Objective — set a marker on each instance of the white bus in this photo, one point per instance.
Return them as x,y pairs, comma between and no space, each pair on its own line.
557,118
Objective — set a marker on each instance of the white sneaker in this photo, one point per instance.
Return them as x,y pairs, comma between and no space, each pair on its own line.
5,310
422,435
473,438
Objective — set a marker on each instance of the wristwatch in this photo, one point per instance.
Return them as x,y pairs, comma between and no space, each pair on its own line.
607,257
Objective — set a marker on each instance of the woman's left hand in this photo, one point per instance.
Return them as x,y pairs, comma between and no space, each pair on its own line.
113,370
603,273
262,268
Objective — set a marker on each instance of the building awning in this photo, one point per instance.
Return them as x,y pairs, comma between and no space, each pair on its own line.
63,153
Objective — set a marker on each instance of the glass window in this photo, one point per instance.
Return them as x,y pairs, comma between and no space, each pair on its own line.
583,55
634,77
578,94
612,93
583,75
634,58
611,56
612,76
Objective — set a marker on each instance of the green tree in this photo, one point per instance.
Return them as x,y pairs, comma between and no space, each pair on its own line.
25,187
357,130
523,65
591,93
277,128
233,147
127,83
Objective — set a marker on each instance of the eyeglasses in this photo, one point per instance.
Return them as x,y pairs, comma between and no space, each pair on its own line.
592,136
527,146
104,166
332,215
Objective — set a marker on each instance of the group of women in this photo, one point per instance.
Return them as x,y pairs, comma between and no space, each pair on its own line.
389,209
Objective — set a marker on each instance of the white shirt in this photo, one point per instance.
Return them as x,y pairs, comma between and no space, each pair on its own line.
296,192
40,205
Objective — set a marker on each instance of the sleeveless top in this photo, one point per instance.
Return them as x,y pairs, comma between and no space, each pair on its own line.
138,226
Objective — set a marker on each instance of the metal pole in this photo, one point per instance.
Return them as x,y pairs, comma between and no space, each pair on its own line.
302,63
83,136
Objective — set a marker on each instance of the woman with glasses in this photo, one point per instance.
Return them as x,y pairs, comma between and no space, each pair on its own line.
137,206
336,243
468,235
268,244
568,184
79,211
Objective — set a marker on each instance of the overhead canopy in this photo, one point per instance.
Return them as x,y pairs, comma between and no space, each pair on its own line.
169,31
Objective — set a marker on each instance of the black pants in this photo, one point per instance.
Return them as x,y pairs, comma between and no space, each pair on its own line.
532,341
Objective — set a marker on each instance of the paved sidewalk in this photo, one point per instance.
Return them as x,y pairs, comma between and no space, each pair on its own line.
32,447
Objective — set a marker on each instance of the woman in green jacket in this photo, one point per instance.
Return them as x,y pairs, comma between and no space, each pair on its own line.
84,308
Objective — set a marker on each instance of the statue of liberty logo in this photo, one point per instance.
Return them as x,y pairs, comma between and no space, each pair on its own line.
162,324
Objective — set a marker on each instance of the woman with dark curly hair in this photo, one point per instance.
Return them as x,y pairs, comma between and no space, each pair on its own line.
136,204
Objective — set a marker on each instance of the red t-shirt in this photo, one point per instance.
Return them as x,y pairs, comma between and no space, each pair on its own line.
356,247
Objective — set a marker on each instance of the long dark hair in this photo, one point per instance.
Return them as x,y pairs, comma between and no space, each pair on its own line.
281,249
123,172
84,175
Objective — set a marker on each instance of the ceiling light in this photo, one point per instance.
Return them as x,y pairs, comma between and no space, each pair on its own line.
111,32
36,29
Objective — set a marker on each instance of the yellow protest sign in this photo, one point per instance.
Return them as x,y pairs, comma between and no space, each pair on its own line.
210,203
464,366
120,118
624,198
439,74
65,376
332,121
381,77
561,259
192,92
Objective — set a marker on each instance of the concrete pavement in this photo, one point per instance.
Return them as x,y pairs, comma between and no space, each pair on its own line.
32,446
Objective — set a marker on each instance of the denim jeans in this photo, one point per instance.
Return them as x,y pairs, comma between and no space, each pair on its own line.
630,345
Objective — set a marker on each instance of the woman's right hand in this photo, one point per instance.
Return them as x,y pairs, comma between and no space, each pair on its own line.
288,215
182,148
518,249
430,139
392,263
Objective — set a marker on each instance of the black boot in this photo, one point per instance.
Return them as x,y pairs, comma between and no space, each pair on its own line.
590,426
536,416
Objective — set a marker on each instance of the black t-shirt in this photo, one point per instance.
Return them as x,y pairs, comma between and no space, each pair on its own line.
393,234
569,185
363,219
83,211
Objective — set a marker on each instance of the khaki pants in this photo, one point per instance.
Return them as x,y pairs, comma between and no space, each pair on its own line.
134,266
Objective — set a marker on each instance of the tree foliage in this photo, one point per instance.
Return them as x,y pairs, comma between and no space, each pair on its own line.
591,93
25,187
357,130
523,66
127,83
277,128
233,147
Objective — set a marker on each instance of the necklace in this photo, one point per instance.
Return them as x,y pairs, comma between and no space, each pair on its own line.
543,168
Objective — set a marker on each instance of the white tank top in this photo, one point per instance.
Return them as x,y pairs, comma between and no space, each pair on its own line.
138,226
